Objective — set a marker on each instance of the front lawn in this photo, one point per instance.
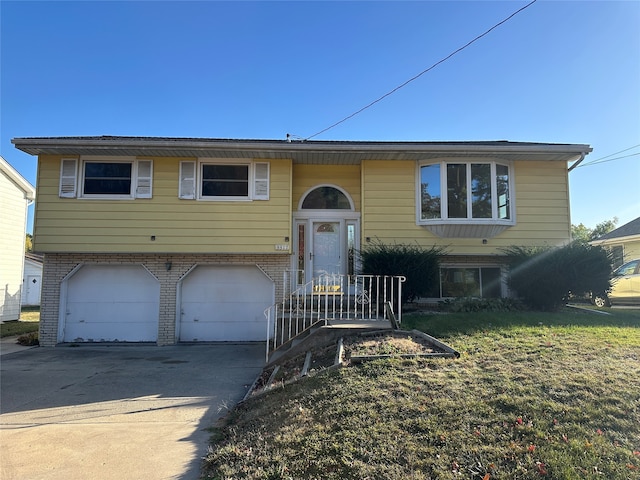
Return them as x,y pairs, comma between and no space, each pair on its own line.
532,396
29,322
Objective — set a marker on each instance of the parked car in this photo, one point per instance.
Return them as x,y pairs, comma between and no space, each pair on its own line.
625,286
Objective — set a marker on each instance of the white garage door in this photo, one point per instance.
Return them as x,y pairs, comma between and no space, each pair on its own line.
109,303
225,303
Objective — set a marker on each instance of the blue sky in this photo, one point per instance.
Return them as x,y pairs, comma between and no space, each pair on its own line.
558,72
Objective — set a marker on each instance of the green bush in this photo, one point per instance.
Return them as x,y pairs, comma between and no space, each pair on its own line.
420,265
544,277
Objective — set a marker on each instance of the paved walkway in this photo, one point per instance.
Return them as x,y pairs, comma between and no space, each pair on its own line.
116,412
9,345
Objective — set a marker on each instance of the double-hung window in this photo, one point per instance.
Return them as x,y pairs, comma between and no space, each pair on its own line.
107,178
224,180
464,192
121,178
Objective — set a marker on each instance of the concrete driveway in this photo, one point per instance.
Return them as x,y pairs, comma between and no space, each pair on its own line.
117,412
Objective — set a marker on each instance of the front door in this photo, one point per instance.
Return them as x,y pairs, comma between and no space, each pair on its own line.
326,235
323,247
326,256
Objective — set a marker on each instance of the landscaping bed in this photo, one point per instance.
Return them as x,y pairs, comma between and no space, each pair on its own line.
350,349
392,344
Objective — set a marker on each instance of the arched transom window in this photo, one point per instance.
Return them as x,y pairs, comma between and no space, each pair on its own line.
326,198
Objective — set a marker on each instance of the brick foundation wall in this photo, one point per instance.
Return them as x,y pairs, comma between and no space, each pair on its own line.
58,265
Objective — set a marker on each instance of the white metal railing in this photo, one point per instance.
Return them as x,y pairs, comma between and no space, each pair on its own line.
331,297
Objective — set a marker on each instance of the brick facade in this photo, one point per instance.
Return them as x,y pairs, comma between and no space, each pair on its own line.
57,266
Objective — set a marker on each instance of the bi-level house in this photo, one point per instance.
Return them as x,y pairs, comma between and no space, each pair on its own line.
189,239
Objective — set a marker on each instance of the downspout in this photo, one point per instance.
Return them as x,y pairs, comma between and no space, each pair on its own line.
582,155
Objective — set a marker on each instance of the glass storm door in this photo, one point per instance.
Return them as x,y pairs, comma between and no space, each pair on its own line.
326,257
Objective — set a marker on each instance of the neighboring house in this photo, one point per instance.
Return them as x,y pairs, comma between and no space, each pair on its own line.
181,239
623,242
16,194
32,279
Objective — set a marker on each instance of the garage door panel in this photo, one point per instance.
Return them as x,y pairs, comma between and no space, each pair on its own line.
111,284
111,312
105,332
222,312
223,331
225,303
112,303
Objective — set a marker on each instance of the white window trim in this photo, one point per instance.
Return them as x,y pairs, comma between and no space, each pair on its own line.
253,180
443,220
133,191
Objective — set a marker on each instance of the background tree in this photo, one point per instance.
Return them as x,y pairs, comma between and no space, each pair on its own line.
581,233
28,243
604,227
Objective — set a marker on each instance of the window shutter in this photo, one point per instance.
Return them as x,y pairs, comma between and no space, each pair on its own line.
261,181
144,178
68,175
187,188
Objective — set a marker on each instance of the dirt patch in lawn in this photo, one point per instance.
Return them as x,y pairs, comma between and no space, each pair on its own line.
352,349
387,343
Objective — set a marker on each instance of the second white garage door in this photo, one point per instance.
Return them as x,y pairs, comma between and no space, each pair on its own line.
224,303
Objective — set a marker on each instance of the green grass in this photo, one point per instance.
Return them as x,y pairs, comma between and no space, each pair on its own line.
29,322
533,396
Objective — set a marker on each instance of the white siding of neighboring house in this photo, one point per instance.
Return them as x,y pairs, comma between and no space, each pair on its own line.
13,219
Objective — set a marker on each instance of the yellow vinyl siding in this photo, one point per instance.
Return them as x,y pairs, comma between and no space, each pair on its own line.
347,177
540,193
180,226
631,250
542,204
389,212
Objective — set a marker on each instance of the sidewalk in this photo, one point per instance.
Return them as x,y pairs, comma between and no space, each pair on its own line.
8,345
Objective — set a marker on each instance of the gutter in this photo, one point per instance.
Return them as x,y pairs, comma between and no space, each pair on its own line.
275,146
330,152
582,155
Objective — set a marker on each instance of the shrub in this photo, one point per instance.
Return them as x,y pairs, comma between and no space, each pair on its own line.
544,277
420,265
28,339
469,304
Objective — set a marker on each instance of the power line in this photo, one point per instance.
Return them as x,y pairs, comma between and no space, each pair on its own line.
609,160
423,72
597,160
